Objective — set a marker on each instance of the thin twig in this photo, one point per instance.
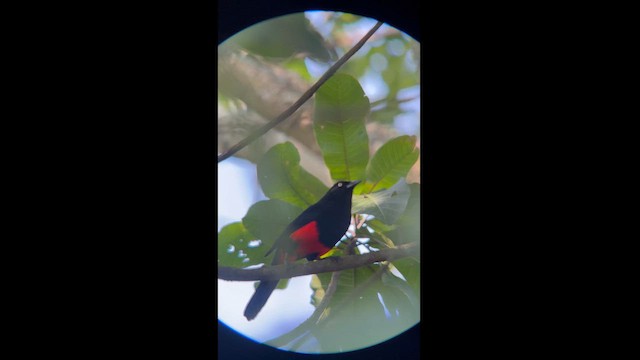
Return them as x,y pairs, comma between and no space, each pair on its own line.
306,96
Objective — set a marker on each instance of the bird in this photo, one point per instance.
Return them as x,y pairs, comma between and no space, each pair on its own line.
310,235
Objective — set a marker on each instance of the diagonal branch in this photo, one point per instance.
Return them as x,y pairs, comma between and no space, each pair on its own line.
315,267
306,96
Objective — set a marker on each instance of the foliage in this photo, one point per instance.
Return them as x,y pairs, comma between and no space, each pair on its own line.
341,107
381,297
281,177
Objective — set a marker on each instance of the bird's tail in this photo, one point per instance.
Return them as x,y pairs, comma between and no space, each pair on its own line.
264,290
259,298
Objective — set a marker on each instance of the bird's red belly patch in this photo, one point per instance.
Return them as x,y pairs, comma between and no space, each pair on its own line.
308,240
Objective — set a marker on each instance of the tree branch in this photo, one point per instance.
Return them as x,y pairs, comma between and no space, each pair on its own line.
315,267
306,96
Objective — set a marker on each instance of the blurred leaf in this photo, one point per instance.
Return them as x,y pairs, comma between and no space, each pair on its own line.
340,110
267,219
349,18
387,114
284,37
391,163
410,269
408,225
402,303
281,177
397,76
364,311
318,290
300,67
379,226
234,247
381,239
349,279
386,205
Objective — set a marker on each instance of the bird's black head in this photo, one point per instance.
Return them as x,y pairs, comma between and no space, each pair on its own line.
342,189
345,185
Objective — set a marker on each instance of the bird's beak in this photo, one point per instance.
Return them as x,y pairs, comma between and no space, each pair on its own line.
353,183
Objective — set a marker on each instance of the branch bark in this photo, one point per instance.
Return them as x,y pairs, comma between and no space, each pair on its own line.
286,271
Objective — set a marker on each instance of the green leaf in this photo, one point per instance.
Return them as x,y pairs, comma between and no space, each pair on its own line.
299,66
386,205
267,219
339,123
390,163
364,311
410,270
284,37
318,290
349,279
237,247
408,225
402,303
281,177
379,226
387,114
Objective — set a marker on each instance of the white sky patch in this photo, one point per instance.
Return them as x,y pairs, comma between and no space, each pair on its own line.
378,62
407,124
395,47
316,68
363,249
318,20
254,243
284,310
237,189
374,85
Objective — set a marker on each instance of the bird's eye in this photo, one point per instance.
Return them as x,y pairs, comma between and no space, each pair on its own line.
339,184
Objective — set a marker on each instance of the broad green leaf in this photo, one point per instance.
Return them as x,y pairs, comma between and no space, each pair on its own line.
281,177
267,219
339,123
237,247
386,205
391,163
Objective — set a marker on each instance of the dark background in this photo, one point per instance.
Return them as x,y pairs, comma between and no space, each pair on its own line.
119,171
